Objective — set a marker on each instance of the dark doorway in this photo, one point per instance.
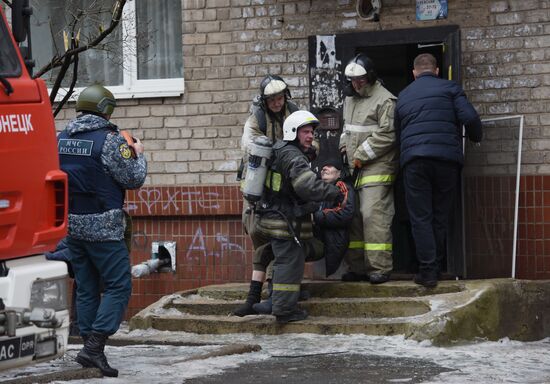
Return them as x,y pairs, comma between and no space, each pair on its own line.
393,53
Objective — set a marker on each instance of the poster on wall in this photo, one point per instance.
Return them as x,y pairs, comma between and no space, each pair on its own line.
431,9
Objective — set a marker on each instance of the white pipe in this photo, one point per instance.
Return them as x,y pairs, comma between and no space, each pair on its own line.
516,207
518,174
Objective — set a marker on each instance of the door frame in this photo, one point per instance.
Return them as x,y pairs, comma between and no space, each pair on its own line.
326,65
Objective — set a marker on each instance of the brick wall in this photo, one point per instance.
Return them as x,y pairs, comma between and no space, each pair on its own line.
229,45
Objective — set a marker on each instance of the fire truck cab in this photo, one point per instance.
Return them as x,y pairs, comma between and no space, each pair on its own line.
34,316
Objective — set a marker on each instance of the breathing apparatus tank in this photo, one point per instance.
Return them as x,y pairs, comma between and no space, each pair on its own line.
259,153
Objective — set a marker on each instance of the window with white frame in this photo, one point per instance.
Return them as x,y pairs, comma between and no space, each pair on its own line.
143,57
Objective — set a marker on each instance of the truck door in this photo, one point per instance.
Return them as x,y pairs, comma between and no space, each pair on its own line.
32,188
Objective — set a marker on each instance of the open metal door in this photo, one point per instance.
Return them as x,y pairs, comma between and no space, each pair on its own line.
456,257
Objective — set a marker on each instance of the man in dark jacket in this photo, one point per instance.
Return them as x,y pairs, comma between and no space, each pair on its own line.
429,116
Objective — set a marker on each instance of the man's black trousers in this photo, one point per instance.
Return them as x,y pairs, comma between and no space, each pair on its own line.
430,189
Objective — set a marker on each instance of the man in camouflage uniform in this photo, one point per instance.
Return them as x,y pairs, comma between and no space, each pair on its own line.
100,165
369,141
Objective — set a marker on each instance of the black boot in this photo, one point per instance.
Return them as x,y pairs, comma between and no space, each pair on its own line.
428,280
379,278
304,294
254,296
296,315
91,355
264,308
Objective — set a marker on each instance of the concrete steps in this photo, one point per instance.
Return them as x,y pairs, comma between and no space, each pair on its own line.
332,307
455,310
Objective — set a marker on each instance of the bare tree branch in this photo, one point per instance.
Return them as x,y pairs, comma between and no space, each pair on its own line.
58,61
71,88
67,59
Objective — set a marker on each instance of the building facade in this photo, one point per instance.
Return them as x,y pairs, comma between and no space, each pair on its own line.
498,50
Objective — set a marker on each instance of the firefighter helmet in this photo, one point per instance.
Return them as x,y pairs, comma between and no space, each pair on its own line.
360,66
272,85
97,99
295,121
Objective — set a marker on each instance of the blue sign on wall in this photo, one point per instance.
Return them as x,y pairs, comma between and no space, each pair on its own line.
431,9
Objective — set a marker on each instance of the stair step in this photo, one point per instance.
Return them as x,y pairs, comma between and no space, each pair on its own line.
333,307
266,325
337,289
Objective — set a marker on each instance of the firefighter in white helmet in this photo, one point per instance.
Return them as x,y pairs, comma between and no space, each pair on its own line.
268,111
292,193
369,142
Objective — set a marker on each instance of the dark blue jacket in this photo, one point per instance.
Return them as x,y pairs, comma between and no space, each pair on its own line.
332,222
429,116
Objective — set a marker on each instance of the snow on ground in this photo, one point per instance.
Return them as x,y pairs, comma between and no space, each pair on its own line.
504,361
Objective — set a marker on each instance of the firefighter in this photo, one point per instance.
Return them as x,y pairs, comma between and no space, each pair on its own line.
100,165
369,142
267,114
292,193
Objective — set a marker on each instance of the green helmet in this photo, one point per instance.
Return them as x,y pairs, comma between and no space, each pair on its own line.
96,98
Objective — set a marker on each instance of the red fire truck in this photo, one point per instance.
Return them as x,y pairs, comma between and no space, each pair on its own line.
34,316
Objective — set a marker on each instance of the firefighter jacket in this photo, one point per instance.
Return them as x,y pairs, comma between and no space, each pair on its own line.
262,123
100,168
369,135
292,193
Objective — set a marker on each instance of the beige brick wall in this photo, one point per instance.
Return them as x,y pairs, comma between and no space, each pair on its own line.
229,45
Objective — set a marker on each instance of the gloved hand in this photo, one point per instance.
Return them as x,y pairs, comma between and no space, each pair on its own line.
343,191
357,164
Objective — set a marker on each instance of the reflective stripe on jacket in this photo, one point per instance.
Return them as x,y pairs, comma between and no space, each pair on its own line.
369,135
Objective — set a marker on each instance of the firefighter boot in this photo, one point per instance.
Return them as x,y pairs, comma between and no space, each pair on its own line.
91,355
296,315
264,308
254,296
304,293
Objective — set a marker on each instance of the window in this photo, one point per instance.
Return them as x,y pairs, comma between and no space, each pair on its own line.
143,57
9,64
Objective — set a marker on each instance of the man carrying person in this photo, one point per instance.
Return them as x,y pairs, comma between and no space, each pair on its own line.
292,194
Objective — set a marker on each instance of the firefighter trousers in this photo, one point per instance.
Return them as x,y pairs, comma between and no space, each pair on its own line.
288,271
263,256
370,247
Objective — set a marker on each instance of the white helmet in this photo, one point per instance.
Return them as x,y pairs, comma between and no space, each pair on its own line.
272,85
295,121
355,70
359,66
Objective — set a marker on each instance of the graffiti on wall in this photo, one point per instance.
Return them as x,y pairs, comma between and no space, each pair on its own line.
180,201
326,75
198,249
